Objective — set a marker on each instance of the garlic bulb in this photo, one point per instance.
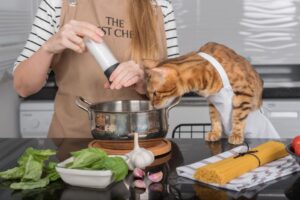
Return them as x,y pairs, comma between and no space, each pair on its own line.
139,157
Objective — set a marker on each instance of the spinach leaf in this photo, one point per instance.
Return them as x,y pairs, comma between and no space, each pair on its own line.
33,169
30,184
51,171
86,157
118,166
84,160
98,165
30,170
38,154
97,151
13,173
97,159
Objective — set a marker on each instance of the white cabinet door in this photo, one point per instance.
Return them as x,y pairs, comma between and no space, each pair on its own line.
284,115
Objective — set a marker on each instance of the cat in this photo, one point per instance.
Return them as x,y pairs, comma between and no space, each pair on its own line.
170,79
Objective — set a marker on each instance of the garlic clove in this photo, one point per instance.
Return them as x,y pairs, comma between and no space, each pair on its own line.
155,177
139,184
156,187
138,173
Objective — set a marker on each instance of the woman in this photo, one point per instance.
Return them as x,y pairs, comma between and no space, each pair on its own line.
133,29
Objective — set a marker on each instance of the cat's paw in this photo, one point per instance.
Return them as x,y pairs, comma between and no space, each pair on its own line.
235,139
212,136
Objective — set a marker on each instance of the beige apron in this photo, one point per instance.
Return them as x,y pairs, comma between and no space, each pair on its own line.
79,74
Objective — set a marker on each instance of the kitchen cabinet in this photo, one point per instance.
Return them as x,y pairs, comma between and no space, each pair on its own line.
283,113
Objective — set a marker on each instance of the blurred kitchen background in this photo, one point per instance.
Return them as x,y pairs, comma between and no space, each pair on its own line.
266,32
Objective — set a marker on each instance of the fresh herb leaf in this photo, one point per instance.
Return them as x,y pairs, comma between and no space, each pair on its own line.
38,155
30,170
30,184
118,166
97,159
51,172
13,173
99,165
86,157
33,169
91,149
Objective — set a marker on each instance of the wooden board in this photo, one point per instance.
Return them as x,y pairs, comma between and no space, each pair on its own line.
127,144
161,147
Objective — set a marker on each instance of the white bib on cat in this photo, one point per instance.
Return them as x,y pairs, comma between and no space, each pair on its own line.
257,124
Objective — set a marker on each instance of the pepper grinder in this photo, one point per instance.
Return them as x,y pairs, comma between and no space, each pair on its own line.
103,56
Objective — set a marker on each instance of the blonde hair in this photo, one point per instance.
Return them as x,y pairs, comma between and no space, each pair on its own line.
144,44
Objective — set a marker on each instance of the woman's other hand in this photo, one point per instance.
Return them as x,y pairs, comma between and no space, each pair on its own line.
71,35
127,74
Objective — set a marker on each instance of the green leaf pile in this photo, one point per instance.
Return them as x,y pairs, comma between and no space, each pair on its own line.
96,159
32,172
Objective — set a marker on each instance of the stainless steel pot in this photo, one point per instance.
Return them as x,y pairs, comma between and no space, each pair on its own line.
120,119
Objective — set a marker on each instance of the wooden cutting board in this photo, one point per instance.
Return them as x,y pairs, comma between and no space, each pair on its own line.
161,147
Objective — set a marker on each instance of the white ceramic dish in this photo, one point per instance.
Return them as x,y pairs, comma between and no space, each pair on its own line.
84,178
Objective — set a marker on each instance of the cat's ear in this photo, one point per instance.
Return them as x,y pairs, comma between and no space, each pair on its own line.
150,64
152,72
159,72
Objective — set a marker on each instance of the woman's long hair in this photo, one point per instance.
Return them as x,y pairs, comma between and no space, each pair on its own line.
144,43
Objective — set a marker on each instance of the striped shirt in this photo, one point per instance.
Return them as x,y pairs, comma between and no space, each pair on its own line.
46,24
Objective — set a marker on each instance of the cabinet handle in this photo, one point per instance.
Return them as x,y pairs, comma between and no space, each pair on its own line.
289,115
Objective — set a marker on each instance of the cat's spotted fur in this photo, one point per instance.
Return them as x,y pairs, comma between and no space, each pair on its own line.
192,73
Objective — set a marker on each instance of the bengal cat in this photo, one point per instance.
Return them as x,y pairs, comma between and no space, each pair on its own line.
172,78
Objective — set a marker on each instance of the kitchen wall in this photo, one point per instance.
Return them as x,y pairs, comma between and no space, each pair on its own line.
15,22
266,32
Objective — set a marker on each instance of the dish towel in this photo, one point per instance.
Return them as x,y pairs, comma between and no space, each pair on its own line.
264,173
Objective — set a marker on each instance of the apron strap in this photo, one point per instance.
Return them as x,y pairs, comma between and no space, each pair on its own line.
69,8
218,67
72,2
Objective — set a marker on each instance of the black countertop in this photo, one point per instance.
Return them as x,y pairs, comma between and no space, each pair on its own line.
184,151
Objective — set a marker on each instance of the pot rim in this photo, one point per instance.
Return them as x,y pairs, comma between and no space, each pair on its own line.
123,112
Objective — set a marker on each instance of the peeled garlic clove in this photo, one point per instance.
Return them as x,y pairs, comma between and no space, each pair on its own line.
138,173
155,177
139,184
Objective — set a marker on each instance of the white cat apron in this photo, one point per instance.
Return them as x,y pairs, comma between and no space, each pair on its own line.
257,124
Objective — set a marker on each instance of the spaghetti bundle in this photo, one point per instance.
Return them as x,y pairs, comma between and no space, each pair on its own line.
230,168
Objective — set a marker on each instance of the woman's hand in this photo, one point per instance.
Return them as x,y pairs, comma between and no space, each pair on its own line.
127,74
70,36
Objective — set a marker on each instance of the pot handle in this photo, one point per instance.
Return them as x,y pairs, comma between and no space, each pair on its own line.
81,103
176,102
